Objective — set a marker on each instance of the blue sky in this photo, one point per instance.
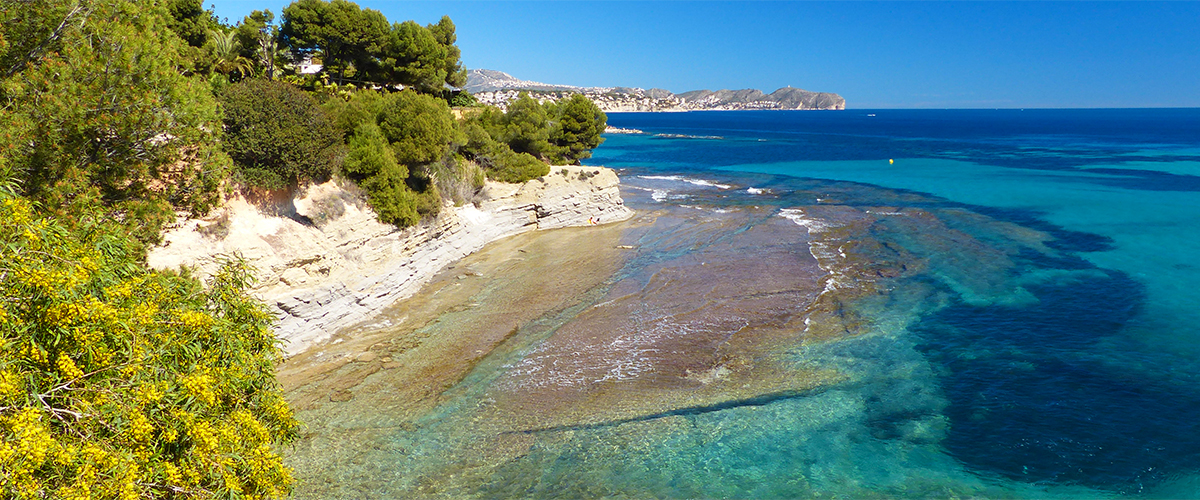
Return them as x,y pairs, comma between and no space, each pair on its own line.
875,54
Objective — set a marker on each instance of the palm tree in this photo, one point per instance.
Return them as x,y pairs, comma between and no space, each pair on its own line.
227,54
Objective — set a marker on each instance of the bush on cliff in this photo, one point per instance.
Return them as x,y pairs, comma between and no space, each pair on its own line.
277,135
505,165
499,162
120,382
391,152
419,127
372,164
527,128
563,132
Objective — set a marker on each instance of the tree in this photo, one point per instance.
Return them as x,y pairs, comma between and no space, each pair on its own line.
258,38
527,127
190,21
425,57
344,34
580,123
226,54
96,116
251,29
416,58
443,32
359,108
120,382
277,135
498,161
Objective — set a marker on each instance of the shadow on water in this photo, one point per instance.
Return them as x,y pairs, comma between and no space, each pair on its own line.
1032,399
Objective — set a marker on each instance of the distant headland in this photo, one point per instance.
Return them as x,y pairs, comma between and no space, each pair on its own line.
498,88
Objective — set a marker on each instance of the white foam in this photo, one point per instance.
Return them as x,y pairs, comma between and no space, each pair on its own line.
660,195
830,255
689,180
713,210
686,136
757,191
625,357
798,216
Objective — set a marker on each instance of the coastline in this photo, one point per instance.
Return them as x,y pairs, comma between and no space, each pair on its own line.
324,263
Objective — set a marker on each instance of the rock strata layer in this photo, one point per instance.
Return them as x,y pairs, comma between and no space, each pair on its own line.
325,263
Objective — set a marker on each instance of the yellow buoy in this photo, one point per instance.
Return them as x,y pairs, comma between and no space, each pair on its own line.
891,161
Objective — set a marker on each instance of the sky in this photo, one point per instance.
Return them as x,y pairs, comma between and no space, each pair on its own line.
875,54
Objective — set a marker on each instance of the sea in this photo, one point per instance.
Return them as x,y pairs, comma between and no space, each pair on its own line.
844,304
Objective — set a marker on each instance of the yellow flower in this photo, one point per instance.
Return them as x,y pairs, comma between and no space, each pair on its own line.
10,385
140,427
67,367
199,385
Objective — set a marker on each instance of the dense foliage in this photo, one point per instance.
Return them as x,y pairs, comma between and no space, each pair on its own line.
277,134
357,42
119,382
190,21
394,139
343,34
418,126
577,131
513,146
95,116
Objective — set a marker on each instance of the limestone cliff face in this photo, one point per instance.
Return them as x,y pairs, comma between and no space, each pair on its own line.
325,263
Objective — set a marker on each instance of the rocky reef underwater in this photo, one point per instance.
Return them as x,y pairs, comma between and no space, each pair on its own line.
745,337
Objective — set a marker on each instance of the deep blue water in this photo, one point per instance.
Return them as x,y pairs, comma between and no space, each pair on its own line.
1088,375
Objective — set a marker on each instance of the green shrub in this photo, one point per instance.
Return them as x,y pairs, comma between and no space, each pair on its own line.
121,382
505,165
396,196
463,99
361,107
277,135
563,132
391,199
527,128
370,154
419,127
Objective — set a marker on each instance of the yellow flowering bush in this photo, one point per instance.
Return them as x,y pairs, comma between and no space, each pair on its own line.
121,382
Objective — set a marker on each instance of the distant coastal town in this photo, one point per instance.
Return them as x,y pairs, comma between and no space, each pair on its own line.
497,88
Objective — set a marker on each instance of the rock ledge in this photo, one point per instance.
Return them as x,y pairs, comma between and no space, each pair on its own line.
324,263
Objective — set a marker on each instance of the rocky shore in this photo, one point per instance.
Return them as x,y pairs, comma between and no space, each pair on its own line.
324,263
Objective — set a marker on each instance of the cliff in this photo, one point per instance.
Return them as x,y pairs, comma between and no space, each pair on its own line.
324,263
498,89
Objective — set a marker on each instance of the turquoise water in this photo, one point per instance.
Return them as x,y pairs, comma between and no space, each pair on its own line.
1079,379
1007,309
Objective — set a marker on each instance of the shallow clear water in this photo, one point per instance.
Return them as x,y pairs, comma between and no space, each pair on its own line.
1093,382
1006,310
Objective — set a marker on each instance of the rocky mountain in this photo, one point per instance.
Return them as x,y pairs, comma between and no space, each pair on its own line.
487,80
499,88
